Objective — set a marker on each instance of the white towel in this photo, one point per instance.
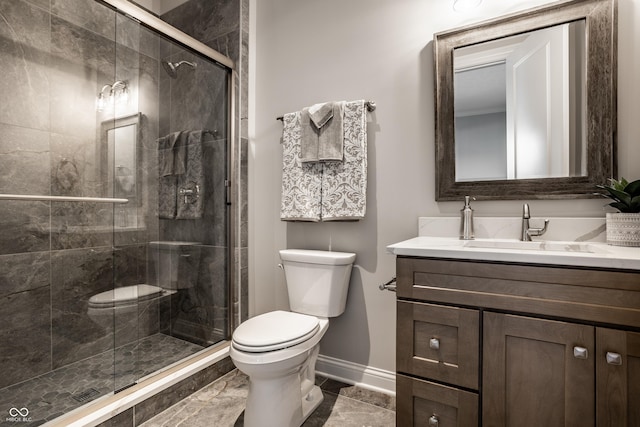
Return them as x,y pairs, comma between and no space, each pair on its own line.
344,184
301,182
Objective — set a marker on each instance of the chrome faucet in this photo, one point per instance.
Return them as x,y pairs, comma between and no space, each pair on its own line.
527,232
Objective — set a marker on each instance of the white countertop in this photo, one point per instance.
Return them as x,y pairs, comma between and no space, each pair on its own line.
583,254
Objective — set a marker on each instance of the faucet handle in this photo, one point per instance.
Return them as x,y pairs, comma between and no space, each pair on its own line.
538,231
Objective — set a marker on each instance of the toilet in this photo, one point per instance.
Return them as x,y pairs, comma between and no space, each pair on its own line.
278,350
172,268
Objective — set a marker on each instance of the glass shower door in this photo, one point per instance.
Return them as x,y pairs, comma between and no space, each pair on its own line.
98,289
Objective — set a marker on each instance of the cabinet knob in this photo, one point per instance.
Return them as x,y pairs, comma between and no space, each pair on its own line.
433,421
434,344
614,358
580,353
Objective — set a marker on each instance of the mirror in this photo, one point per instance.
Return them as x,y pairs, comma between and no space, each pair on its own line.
525,104
120,158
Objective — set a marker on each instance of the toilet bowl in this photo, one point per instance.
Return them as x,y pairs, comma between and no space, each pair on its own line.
171,269
278,350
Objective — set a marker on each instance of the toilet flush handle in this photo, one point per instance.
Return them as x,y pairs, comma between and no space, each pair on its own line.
281,267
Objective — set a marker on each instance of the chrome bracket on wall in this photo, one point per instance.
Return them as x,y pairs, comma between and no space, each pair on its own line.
389,286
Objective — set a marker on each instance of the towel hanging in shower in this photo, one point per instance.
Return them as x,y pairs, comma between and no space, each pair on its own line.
191,184
168,164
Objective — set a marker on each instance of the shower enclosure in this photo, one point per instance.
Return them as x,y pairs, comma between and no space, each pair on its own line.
114,223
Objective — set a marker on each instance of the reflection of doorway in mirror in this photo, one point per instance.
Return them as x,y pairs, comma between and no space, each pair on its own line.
519,106
120,154
122,160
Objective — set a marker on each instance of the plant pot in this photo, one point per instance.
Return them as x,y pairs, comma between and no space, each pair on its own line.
623,229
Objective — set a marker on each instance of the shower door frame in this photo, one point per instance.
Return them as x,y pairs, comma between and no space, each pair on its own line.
153,22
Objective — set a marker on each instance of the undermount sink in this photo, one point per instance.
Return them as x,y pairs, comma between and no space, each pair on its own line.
545,246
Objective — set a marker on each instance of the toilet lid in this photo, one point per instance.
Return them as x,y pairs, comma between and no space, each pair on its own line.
124,295
274,331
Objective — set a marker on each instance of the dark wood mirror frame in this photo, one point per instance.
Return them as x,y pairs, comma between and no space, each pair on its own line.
601,28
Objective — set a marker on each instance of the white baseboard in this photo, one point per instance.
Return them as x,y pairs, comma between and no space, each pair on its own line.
367,377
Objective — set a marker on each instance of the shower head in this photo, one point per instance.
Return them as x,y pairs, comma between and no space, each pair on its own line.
172,67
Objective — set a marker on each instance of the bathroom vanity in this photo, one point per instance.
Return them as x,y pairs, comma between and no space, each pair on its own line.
508,333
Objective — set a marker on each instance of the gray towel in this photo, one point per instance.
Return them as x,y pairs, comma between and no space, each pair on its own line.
170,164
166,158
191,184
321,113
322,132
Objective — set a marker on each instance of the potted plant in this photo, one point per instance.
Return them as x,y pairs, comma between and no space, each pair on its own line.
623,228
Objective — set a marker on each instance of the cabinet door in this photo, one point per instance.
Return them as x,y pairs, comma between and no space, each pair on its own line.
423,403
537,372
440,343
618,378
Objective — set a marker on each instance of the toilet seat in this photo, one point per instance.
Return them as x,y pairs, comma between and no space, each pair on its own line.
274,331
125,295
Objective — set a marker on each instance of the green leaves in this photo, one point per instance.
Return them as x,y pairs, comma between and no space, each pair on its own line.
626,195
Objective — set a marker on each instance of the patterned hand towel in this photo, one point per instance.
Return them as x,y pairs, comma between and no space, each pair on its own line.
301,182
191,205
322,133
344,184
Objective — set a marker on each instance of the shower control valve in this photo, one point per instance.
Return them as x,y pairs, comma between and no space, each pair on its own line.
191,193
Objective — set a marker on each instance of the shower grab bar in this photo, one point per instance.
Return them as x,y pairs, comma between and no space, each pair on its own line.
35,198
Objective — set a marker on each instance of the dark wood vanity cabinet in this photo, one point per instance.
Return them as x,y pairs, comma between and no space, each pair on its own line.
496,344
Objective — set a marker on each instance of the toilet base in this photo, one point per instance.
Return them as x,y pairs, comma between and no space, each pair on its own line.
298,396
288,412
310,402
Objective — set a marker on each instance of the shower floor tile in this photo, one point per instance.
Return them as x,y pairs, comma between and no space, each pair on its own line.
53,394
222,403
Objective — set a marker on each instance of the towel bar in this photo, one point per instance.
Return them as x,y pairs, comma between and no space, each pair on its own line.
389,286
371,106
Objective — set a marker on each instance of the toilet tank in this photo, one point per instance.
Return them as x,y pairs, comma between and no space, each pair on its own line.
317,281
174,265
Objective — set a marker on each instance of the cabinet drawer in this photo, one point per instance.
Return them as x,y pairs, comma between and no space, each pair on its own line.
439,343
423,403
592,295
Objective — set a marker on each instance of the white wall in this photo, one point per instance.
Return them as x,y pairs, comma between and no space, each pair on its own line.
304,52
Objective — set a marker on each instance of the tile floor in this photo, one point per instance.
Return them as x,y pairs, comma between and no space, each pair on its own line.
58,392
221,404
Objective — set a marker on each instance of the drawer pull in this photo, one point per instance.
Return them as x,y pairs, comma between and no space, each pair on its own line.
434,344
614,358
580,353
433,421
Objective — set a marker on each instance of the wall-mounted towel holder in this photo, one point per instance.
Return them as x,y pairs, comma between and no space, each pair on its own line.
389,286
371,106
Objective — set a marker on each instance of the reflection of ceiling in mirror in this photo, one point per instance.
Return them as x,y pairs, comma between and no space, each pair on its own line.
480,90
479,78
